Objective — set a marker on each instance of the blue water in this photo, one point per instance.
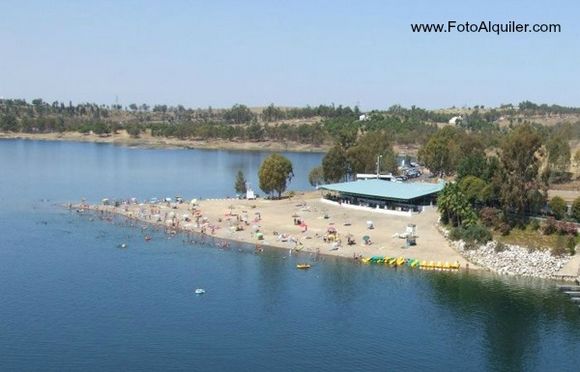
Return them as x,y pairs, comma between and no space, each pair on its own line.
70,299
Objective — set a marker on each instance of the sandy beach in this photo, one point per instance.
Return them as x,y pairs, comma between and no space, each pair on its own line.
300,223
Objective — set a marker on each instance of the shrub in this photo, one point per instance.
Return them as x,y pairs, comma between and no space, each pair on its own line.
456,233
558,207
504,228
489,216
566,228
549,226
477,233
472,235
534,225
133,129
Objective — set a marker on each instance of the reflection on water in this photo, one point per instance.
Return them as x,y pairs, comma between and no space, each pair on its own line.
513,313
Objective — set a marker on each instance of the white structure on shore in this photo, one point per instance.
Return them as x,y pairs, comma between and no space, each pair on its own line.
455,120
250,195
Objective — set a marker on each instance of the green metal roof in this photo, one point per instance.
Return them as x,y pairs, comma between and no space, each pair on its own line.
385,189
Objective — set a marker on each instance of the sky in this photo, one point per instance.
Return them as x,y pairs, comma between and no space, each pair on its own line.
290,53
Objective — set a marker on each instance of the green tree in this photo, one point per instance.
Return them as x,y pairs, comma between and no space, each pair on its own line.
558,156
272,113
362,157
558,207
316,176
335,164
492,169
9,123
440,153
576,209
577,157
240,184
474,189
522,190
133,129
255,132
454,206
472,165
101,127
238,114
274,173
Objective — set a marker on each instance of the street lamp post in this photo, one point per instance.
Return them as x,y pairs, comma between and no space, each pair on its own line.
379,165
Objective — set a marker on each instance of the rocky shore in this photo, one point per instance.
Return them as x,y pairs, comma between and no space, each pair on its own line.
514,260
511,259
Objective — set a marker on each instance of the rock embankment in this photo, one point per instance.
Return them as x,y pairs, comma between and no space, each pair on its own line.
513,259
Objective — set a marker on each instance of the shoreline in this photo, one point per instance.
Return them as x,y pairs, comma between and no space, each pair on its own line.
215,241
241,221
237,246
266,217
258,248
150,142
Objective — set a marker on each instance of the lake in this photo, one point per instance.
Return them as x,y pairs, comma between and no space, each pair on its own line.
71,299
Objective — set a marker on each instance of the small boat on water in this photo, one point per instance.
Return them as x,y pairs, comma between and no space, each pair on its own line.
200,291
303,266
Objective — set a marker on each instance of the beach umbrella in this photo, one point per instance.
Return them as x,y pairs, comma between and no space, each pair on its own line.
366,238
331,229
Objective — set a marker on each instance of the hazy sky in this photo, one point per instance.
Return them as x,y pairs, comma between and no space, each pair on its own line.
201,53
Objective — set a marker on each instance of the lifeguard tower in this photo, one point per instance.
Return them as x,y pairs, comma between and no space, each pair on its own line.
411,235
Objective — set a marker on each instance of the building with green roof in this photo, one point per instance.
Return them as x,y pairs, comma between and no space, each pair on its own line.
376,193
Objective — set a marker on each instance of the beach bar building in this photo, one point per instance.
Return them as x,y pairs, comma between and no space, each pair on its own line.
383,195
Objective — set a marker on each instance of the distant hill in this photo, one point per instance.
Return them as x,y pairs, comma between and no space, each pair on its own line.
310,125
